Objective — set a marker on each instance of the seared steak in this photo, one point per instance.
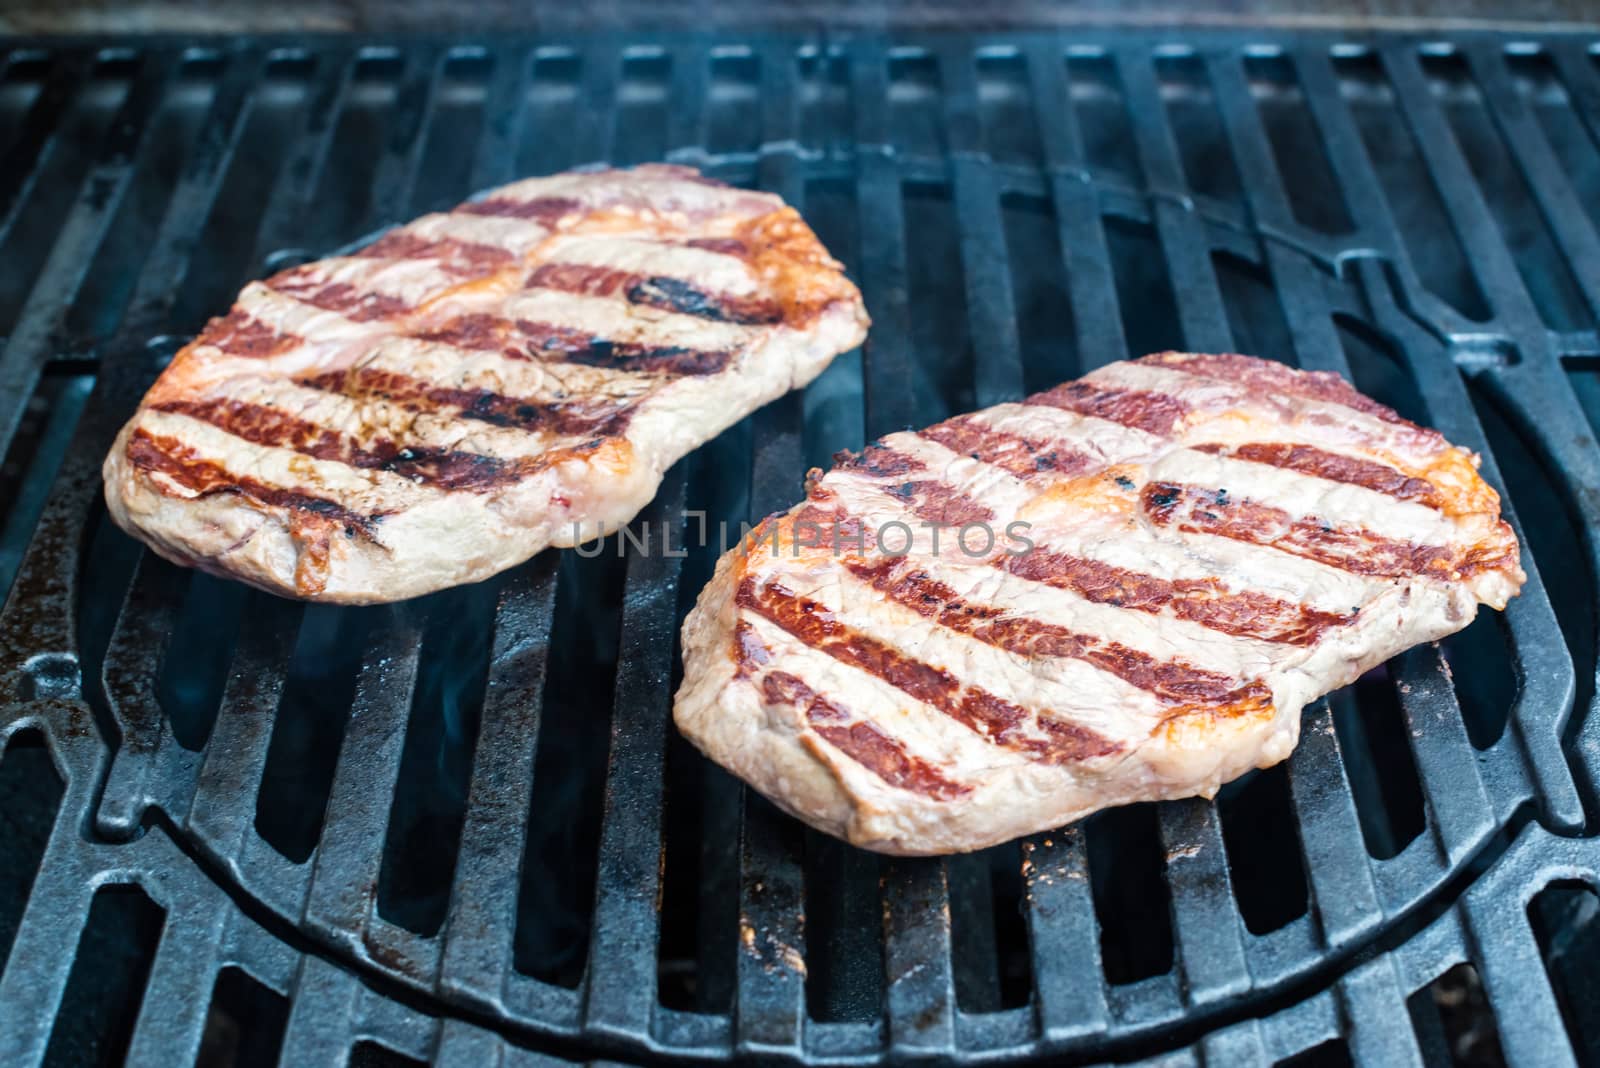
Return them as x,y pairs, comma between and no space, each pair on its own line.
1162,563
476,385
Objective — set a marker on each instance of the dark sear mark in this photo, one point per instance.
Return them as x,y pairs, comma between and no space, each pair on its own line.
304,285
547,210
1247,614
1154,413
525,339
497,409
860,740
175,460
656,291
1173,681
1355,549
465,258
1318,463
240,334
1268,377
429,465
993,718
1022,456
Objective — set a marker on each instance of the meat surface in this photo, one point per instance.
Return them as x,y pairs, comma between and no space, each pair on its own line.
477,385
1139,580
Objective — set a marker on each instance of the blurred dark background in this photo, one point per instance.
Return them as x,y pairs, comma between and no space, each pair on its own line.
120,16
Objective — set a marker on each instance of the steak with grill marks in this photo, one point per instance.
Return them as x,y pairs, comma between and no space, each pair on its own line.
1122,589
477,385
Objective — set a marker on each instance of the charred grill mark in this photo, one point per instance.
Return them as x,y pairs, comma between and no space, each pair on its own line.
564,344
656,291
1353,549
259,424
240,334
927,498
728,246
484,406
1173,681
304,285
1154,413
466,258
546,210
1268,376
941,504
995,719
479,332
172,458
1024,457
1247,614
749,651
882,754
1351,470
877,460
525,339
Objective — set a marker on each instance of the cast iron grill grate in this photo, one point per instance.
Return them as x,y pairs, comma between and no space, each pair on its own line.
475,803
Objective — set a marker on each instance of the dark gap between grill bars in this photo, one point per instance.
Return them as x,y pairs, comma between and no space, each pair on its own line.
244,1023
1452,1023
30,795
1255,315
1192,115
1101,108
556,891
1144,290
1314,193
1566,922
1549,98
1544,270
32,213
106,984
1127,870
1411,189
1046,330
424,828
309,728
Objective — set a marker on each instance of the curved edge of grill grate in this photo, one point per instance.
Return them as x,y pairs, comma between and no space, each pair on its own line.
1203,320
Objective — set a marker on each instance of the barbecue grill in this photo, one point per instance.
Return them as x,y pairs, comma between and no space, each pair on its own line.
462,830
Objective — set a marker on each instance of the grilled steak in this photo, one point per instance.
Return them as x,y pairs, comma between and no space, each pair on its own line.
476,385
1140,579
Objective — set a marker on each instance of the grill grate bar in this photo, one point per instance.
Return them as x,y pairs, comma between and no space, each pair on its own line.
142,634
100,195
1569,223
285,220
1373,1012
177,995
889,362
1201,314
341,896
1063,938
483,901
991,307
505,117
1507,958
394,185
1470,216
770,973
919,990
39,133
1091,286
1254,161
1335,858
322,1020
1205,918
42,954
224,801
620,997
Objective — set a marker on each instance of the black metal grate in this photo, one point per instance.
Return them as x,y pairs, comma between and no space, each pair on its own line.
435,824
